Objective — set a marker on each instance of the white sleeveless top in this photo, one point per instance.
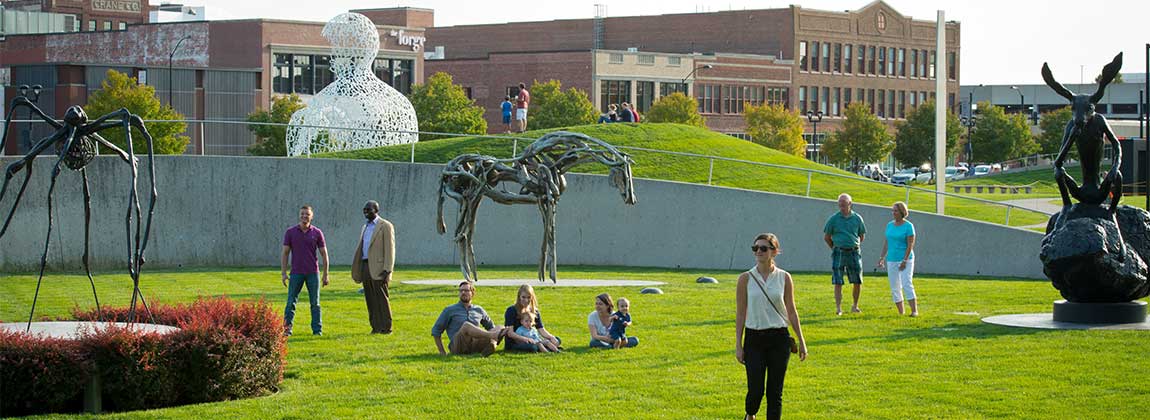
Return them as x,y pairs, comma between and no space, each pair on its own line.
760,314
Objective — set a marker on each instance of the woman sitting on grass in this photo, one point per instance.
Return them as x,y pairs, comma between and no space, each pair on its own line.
599,323
526,303
763,294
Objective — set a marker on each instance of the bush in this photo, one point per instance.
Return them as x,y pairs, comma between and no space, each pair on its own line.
224,350
553,107
676,108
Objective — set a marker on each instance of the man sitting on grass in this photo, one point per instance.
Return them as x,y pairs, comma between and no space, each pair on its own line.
461,321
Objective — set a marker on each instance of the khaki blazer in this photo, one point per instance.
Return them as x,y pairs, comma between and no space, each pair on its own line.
381,253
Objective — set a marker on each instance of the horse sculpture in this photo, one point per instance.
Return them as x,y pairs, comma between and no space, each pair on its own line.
539,172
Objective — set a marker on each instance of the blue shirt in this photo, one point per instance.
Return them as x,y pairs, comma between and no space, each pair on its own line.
511,317
845,231
453,317
506,106
368,231
896,240
618,323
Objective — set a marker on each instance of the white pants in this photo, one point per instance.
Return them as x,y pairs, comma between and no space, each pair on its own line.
901,281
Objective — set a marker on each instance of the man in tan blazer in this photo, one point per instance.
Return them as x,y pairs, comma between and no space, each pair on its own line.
373,264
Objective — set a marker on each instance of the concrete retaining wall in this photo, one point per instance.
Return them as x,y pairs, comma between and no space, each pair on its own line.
225,211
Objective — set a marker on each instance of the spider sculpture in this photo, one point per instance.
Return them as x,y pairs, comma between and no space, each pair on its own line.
76,143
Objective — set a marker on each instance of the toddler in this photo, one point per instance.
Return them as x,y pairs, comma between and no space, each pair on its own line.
527,330
620,320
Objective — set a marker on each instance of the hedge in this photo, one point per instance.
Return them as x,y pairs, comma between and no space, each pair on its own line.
223,350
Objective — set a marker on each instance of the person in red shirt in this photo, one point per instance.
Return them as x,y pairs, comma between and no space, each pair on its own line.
522,101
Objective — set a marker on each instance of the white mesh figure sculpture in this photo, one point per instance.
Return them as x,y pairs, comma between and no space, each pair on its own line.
362,111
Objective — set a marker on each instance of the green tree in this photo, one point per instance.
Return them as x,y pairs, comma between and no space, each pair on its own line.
121,91
1053,126
914,138
442,106
552,107
776,127
862,139
676,108
271,140
1117,79
998,137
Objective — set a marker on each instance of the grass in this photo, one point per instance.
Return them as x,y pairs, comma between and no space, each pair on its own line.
680,138
875,365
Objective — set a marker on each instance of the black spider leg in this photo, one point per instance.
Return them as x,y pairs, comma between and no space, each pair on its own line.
26,161
136,246
48,238
24,102
87,240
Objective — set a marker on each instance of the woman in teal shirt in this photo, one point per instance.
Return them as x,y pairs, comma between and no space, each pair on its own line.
898,256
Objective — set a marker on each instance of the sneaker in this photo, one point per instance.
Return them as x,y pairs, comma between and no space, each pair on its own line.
317,333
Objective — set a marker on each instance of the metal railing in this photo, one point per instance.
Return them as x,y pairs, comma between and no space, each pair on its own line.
201,125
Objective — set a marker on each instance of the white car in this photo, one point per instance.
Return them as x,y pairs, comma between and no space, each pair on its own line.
955,173
981,170
911,176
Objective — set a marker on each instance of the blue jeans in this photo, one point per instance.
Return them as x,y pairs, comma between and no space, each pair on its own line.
295,283
631,342
512,344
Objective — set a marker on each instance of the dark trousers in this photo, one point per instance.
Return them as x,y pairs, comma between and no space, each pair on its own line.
766,353
378,303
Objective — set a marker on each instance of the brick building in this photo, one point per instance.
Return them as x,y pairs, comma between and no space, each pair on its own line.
220,70
89,15
810,60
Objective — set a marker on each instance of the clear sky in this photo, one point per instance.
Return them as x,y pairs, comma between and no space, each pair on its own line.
1003,42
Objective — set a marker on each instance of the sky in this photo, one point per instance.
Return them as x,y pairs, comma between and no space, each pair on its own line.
1003,42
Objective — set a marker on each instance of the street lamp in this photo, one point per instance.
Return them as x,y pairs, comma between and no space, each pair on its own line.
969,121
1021,101
692,73
815,118
34,98
170,58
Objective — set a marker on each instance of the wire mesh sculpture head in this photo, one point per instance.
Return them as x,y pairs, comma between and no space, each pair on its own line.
357,110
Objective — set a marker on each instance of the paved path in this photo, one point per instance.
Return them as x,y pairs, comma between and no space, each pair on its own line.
537,283
1038,204
73,329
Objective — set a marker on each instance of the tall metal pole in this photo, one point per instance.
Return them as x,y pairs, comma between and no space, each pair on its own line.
1146,74
170,78
940,116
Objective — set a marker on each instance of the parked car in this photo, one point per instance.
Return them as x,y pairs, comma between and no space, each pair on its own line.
955,173
987,169
911,176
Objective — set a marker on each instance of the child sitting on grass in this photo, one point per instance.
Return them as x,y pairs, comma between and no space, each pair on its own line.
527,330
620,320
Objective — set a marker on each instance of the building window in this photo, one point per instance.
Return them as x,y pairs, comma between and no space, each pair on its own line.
860,95
922,63
901,66
513,92
281,74
323,74
902,104
71,23
803,99
708,99
814,56
615,58
913,101
881,108
882,61
123,26
303,74
913,63
644,95
823,104
950,102
674,61
933,62
838,66
803,55
849,58
467,92
614,92
951,66
870,58
890,112
836,94
647,59
398,73
92,25
107,25
814,92
846,98
890,71
862,59
669,88
826,56
870,100
1124,109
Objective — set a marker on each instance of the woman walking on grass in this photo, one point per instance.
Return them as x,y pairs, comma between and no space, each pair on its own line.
762,344
898,256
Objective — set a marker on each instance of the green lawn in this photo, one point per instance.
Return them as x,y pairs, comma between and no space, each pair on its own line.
876,365
680,138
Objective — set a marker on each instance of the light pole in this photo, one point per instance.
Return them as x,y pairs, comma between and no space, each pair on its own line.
692,73
1021,101
34,98
969,121
170,59
815,118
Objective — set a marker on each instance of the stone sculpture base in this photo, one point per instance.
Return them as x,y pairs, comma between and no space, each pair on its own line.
1100,313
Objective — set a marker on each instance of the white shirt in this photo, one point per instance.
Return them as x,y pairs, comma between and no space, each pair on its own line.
760,313
368,230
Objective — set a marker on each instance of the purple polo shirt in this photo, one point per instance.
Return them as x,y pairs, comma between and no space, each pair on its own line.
303,246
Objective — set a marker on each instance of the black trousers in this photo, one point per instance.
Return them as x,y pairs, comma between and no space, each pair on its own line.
765,353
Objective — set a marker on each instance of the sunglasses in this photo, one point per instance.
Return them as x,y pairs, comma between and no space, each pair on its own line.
762,248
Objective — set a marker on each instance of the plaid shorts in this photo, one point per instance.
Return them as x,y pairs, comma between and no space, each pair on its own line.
846,262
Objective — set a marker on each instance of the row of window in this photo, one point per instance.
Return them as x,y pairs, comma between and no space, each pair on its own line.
307,74
832,102
619,91
827,57
72,22
645,59
731,99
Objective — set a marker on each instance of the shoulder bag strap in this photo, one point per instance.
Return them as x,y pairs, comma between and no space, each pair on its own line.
755,278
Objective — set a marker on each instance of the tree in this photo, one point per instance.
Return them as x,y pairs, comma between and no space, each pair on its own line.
1053,126
121,91
1117,79
271,140
914,138
862,139
552,107
998,137
442,106
776,127
676,108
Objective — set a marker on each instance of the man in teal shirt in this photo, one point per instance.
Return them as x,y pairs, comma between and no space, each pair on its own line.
844,233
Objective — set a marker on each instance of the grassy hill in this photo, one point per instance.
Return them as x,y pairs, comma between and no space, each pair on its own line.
686,139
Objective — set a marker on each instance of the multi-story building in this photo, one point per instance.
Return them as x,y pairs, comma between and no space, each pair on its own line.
809,60
89,15
208,70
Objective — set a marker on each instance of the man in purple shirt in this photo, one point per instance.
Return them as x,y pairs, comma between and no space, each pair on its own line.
301,243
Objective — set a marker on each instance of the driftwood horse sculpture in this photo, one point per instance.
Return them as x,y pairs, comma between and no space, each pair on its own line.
539,174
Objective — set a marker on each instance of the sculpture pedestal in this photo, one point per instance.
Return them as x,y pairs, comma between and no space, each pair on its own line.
1100,313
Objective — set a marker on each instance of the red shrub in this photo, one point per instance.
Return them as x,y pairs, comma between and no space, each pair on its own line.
224,350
